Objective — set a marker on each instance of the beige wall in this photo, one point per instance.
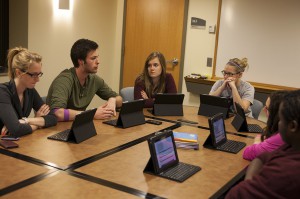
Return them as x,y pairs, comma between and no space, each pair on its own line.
52,32
102,20
199,43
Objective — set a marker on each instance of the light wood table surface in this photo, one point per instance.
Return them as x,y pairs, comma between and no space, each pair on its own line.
14,170
62,185
126,167
117,172
62,154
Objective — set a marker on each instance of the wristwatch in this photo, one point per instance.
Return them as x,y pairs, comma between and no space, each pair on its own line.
25,120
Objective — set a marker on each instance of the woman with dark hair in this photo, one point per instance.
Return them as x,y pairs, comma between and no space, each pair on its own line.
270,138
18,96
154,79
275,174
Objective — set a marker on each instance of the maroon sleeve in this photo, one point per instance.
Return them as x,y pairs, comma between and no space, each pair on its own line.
138,87
278,177
170,84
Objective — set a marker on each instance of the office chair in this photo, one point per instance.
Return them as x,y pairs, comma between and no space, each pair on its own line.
127,93
256,108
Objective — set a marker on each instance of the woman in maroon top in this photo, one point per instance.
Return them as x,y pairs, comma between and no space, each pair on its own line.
154,79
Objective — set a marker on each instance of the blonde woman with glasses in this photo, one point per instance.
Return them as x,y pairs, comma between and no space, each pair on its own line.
232,86
18,96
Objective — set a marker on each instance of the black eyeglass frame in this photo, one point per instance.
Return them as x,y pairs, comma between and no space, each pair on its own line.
33,75
229,74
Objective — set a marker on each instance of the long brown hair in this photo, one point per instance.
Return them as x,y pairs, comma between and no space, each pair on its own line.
145,77
273,118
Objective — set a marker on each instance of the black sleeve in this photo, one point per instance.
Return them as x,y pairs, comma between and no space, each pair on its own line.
9,117
37,100
50,119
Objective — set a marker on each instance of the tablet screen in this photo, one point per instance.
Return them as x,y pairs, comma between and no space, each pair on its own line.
165,152
218,130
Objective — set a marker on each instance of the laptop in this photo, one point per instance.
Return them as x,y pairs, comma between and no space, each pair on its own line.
240,122
164,160
168,104
82,128
211,105
218,140
131,114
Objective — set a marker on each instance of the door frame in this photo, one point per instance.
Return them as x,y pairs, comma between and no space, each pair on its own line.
183,42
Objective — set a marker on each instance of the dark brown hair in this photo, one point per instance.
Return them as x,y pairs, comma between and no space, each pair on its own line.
273,119
145,77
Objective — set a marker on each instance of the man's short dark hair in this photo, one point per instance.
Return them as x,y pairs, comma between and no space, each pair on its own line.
80,49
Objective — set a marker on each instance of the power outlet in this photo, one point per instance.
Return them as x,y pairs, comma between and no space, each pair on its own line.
209,62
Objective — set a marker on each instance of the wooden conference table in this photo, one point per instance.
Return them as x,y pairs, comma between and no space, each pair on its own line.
110,165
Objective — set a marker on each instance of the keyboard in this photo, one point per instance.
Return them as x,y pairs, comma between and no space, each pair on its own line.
62,136
231,146
111,122
254,128
180,172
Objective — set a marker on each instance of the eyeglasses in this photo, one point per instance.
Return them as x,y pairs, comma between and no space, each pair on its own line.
33,75
228,73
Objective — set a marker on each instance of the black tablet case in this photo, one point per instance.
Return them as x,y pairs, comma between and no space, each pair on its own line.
168,104
131,114
239,122
211,105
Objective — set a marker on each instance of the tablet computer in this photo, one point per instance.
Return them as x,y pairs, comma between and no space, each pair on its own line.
168,104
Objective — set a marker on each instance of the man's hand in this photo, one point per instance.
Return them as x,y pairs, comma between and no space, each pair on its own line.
111,104
103,112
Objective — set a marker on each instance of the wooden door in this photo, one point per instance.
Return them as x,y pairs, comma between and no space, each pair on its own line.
152,25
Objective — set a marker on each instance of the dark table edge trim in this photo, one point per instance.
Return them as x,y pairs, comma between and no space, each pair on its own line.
104,154
30,159
29,181
223,190
161,119
112,185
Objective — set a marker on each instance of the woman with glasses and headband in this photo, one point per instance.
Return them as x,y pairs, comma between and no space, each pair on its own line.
270,139
154,79
18,96
233,86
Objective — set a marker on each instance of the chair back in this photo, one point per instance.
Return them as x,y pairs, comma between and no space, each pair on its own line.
127,93
256,108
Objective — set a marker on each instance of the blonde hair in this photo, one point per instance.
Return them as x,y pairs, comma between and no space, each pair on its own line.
239,64
20,58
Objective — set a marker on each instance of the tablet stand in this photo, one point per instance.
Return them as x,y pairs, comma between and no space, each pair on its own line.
167,110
